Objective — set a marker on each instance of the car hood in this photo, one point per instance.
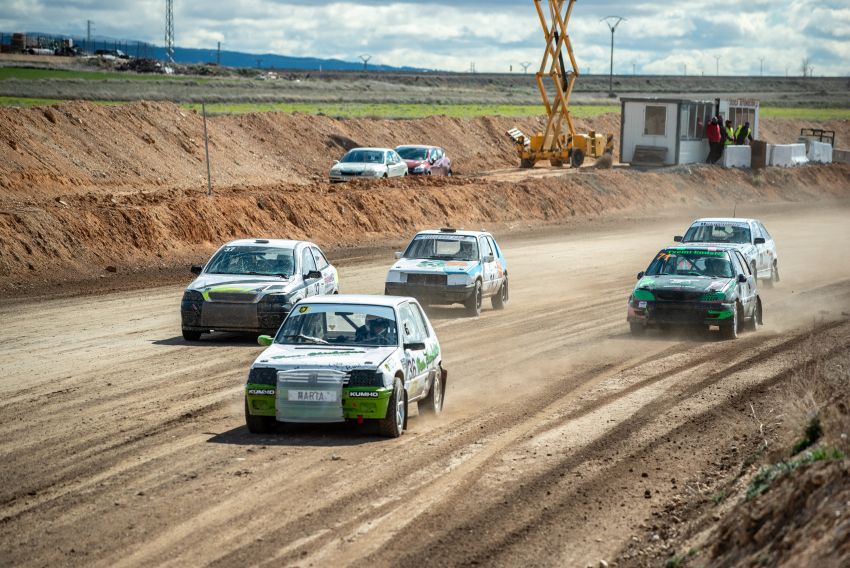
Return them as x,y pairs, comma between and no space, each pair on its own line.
435,266
357,167
684,284
240,284
415,163
288,357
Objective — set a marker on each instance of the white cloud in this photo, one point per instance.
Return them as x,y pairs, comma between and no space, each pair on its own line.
657,37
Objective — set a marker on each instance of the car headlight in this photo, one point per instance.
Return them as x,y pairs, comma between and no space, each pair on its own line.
420,168
276,302
462,279
396,276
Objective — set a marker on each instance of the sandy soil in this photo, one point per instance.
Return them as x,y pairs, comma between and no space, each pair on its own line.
123,445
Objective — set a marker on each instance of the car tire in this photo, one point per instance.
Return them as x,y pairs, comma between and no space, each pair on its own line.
576,159
754,322
502,296
449,173
730,328
191,335
637,328
258,424
392,425
473,303
432,405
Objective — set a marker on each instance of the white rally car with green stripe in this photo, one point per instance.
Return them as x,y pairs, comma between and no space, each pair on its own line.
347,358
250,285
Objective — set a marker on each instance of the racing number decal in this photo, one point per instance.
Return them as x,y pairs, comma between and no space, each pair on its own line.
303,309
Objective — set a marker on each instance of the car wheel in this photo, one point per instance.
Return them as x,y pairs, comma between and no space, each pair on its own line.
577,159
502,297
433,403
753,323
392,425
258,424
637,328
473,303
450,173
729,329
190,335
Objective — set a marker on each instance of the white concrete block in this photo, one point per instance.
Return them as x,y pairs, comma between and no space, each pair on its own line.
841,156
787,155
737,157
820,152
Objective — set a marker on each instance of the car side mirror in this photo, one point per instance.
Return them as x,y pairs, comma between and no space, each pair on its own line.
265,340
678,238
640,275
313,275
196,270
398,255
742,279
758,241
489,258
419,346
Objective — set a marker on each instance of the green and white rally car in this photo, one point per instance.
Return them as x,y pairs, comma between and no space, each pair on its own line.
451,266
696,286
345,357
250,285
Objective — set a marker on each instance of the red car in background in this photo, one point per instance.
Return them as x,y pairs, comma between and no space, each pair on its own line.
425,160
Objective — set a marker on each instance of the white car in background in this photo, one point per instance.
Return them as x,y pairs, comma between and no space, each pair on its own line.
749,236
370,163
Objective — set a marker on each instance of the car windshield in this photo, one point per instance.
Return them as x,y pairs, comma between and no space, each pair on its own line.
443,247
363,157
412,153
734,233
253,260
711,264
340,325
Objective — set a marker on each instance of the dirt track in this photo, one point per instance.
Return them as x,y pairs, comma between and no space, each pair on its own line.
123,445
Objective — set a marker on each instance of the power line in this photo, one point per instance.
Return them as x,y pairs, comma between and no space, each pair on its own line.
169,30
365,58
612,22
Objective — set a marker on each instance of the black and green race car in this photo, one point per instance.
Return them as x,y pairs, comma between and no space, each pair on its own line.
696,286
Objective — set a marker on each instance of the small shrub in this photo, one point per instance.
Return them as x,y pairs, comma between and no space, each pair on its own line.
811,435
767,474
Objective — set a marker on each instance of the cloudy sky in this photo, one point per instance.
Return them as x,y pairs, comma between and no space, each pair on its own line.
657,37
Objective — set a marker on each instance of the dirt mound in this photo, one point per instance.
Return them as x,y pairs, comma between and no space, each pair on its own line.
801,521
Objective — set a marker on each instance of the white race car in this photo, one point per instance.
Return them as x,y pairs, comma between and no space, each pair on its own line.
250,285
368,163
339,358
747,235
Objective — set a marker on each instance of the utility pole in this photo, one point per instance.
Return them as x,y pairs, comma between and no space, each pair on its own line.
761,69
634,68
218,55
365,58
169,30
612,22
717,65
525,65
89,26
686,69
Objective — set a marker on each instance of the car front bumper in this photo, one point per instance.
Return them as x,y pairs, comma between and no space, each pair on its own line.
234,317
368,403
432,293
655,313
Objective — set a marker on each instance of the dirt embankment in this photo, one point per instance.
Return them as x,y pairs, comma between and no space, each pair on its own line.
85,188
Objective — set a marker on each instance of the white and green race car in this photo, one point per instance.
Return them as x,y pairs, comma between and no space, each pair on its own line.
250,285
347,358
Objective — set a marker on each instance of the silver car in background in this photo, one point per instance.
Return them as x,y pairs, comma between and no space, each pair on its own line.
749,236
370,163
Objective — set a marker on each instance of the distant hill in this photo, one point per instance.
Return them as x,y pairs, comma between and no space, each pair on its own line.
228,58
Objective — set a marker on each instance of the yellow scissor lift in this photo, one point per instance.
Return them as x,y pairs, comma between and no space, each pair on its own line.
559,143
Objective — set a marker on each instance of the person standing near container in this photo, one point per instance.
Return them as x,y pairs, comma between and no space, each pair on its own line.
714,141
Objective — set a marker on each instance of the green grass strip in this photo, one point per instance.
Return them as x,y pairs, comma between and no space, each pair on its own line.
35,74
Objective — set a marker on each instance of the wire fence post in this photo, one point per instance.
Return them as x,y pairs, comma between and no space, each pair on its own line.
207,149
